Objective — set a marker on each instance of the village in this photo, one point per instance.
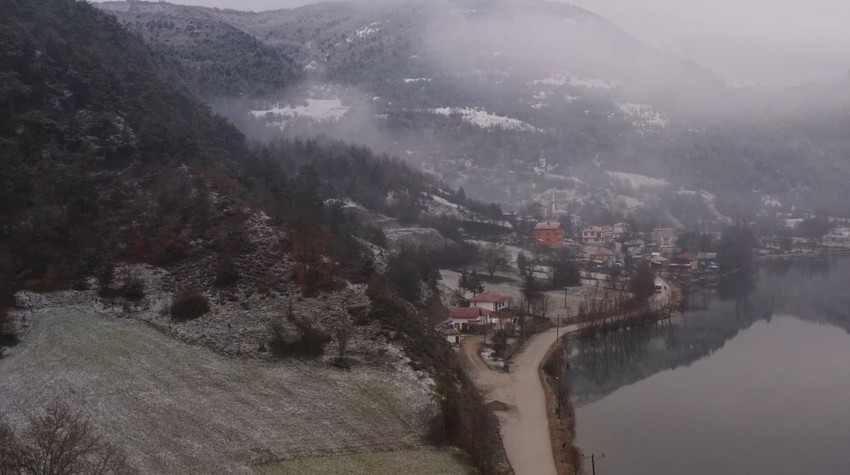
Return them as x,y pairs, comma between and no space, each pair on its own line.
558,271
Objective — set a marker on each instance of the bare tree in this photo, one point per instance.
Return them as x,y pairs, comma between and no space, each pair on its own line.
541,305
343,336
495,256
60,442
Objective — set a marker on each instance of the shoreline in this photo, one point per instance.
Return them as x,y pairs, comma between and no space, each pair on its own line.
562,427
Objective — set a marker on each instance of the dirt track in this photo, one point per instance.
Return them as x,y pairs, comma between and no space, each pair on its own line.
525,426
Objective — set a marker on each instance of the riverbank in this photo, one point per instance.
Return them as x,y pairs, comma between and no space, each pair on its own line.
562,420
828,252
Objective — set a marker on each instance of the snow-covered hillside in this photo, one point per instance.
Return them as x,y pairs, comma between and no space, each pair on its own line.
484,119
319,110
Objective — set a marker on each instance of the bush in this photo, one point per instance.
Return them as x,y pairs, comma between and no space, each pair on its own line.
133,289
189,305
226,275
309,343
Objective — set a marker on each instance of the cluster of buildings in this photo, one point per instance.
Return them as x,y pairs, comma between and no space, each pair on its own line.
838,237
610,245
485,310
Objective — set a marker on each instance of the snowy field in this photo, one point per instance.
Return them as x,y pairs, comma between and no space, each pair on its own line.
636,181
576,81
178,408
642,116
484,119
424,461
320,110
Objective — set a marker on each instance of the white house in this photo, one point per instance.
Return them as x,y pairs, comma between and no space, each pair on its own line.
594,235
665,239
839,237
491,302
466,318
452,334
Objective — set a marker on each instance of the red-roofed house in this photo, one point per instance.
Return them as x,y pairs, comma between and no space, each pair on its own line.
603,256
467,317
550,233
685,259
491,302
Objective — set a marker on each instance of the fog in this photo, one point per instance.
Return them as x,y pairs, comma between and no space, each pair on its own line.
743,41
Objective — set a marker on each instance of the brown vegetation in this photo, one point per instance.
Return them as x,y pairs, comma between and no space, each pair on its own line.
189,304
60,442
561,415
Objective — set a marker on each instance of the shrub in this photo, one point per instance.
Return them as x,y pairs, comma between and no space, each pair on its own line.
189,305
226,275
309,341
133,289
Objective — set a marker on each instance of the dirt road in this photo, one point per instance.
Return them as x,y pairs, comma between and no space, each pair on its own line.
525,427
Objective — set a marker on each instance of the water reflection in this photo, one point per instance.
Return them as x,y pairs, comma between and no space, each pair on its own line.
773,401
814,289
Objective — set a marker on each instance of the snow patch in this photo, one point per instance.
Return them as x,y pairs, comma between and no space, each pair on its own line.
642,116
576,81
484,119
636,181
319,110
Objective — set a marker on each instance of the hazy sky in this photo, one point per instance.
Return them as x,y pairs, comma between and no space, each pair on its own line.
749,41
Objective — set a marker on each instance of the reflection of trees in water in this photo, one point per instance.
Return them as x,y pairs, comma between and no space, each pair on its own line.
813,290
608,361
808,268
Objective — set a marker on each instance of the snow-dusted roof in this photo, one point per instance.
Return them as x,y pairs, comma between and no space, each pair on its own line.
547,226
489,297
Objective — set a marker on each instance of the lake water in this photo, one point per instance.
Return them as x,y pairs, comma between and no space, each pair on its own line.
757,382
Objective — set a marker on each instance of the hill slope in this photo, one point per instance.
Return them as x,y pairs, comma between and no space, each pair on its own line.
111,166
507,99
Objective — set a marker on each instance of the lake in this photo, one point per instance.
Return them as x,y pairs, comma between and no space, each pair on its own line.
756,381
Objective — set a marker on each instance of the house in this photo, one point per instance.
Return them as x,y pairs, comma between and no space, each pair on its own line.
452,334
838,237
656,260
491,302
603,256
707,260
469,318
685,260
664,239
549,233
594,235
503,317
634,249
618,231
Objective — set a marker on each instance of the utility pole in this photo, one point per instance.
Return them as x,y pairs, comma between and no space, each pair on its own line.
593,461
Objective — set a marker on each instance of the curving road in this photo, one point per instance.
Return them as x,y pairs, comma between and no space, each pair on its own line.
525,426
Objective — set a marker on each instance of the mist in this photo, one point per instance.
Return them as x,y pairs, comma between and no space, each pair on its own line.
767,42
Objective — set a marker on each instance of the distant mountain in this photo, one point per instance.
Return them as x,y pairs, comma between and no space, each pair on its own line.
519,101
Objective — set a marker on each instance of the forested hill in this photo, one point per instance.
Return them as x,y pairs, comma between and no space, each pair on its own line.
219,60
532,101
108,162
107,156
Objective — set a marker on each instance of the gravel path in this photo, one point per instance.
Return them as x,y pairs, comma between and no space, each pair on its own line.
525,426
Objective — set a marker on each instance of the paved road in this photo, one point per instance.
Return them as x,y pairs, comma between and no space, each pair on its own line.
525,426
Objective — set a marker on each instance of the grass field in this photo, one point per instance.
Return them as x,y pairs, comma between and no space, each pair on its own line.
177,408
424,461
